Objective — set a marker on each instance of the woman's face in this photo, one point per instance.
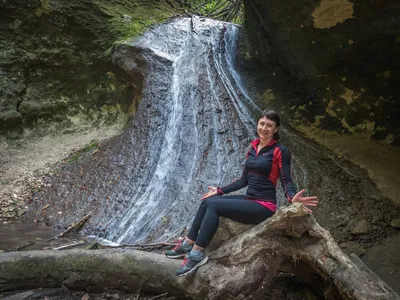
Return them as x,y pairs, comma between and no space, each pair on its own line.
266,128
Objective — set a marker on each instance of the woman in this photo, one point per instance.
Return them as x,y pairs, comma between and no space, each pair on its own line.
266,161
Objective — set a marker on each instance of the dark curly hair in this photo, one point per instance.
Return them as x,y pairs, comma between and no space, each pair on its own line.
273,116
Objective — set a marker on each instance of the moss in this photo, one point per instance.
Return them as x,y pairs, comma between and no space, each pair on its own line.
45,8
130,19
24,268
267,99
63,78
94,144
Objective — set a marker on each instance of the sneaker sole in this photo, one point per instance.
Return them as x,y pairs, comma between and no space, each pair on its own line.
203,262
176,256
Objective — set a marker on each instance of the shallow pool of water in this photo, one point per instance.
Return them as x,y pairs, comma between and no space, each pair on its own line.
16,233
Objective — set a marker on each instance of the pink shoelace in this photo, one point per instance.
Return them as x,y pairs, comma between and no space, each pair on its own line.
184,262
178,245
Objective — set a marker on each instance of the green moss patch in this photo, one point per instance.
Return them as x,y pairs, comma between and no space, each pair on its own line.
128,19
89,148
45,8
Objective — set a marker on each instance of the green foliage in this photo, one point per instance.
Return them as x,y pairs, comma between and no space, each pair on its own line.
44,8
226,10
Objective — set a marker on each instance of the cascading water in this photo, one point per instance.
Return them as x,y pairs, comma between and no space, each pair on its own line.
205,126
192,129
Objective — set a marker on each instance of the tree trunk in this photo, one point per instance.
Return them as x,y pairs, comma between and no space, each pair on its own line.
241,266
89,269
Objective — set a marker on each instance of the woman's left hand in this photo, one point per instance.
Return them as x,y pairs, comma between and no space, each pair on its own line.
306,201
212,191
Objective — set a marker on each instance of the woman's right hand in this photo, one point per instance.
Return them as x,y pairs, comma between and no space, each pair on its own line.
306,201
212,191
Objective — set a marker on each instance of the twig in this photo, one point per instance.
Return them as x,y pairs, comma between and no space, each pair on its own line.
141,245
159,296
138,294
72,227
25,245
69,245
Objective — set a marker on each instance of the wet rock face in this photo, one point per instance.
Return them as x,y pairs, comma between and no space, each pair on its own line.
56,73
192,129
145,184
340,58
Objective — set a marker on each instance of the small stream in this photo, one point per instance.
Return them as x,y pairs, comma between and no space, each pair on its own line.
17,235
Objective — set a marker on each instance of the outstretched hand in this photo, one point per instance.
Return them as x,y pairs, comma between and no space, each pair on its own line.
306,201
212,191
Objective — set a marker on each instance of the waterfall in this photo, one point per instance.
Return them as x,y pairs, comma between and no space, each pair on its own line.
192,129
198,128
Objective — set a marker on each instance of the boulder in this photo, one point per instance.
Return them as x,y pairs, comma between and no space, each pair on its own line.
360,227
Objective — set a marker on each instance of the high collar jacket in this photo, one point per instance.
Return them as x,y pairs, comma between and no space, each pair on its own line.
261,172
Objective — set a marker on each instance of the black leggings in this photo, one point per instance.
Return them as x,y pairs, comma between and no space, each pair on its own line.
234,207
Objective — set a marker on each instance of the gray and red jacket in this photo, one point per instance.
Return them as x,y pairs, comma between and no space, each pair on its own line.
261,172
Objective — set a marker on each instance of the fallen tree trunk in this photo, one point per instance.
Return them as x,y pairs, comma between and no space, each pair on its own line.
89,269
293,241
241,266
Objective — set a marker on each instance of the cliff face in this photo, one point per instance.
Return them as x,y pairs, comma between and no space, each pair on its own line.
339,59
56,74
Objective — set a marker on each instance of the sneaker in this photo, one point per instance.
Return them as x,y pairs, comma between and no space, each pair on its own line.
180,250
191,263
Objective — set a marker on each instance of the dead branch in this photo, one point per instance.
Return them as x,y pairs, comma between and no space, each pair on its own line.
70,245
159,296
74,226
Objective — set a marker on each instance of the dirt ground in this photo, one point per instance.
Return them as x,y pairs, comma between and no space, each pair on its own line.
25,162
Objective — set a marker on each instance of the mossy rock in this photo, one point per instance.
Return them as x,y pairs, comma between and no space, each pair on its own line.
55,58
